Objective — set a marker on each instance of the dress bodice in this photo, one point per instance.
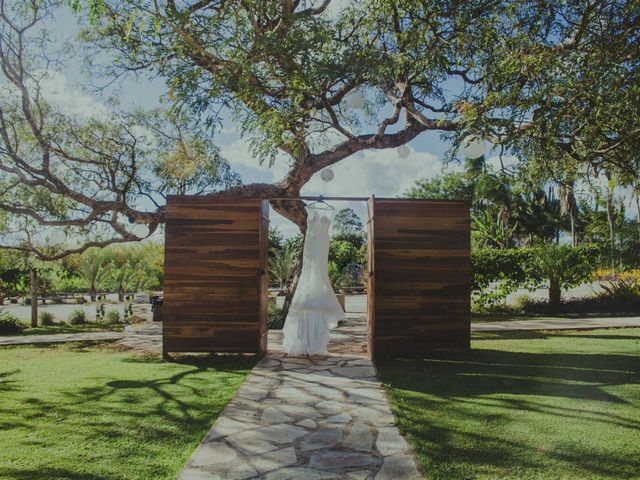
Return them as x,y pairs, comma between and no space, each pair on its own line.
316,243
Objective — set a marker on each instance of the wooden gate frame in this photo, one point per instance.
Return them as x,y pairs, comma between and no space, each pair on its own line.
199,330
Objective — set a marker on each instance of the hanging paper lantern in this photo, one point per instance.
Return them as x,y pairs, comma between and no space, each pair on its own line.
403,151
472,147
356,100
326,174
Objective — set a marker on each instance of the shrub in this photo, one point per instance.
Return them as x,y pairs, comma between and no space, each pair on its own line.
10,324
275,317
496,273
46,318
597,305
623,291
78,317
113,316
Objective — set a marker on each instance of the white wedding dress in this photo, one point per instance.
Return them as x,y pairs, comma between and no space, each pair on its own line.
314,309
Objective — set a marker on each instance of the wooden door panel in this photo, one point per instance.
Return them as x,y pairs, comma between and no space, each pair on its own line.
420,298
215,253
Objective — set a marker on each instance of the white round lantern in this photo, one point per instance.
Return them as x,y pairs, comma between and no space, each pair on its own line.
472,147
356,100
403,151
326,174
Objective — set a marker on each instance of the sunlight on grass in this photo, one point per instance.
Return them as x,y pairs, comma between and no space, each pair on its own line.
72,412
524,405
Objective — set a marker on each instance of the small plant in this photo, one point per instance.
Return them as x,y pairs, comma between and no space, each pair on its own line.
78,317
46,319
625,291
10,324
113,316
275,317
128,308
100,309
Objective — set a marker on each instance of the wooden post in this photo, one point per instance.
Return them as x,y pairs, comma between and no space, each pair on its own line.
33,275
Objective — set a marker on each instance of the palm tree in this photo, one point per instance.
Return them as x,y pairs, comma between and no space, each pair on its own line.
94,269
282,265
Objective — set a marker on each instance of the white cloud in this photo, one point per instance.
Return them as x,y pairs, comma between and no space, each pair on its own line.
57,91
375,172
242,161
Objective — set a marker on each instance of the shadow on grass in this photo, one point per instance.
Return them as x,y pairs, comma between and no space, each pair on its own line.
137,412
545,334
460,410
46,473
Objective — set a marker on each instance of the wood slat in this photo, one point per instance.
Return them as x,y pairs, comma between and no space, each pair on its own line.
419,254
215,283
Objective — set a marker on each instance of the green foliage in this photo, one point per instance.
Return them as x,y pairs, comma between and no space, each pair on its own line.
276,240
78,317
275,317
282,265
449,186
566,265
346,222
100,308
490,232
112,316
10,324
345,262
93,268
46,318
627,291
496,273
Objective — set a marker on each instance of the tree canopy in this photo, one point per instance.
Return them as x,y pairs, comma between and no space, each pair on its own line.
90,176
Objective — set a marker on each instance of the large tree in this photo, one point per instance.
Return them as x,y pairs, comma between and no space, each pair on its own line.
546,79
91,175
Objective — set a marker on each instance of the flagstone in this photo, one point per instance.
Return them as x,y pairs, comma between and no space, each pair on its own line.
296,418
359,438
398,467
276,459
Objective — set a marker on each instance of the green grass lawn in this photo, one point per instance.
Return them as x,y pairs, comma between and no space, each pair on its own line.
77,412
524,405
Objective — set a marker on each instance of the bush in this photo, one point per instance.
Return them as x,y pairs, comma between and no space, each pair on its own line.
623,291
46,319
275,317
78,317
597,305
10,324
112,316
497,273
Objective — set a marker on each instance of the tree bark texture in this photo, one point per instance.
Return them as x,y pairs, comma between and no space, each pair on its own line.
33,278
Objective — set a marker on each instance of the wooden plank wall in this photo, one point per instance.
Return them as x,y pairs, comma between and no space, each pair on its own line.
215,275
422,276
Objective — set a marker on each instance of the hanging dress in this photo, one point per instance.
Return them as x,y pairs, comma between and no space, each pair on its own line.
314,309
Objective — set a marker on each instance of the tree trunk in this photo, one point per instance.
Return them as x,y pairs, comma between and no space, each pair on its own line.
94,293
121,293
33,277
555,293
610,220
574,230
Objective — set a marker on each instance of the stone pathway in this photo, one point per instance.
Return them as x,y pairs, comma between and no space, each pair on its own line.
322,418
